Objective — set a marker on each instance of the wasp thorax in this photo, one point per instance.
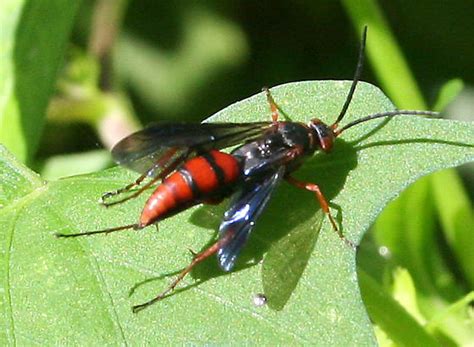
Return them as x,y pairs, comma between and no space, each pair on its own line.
323,133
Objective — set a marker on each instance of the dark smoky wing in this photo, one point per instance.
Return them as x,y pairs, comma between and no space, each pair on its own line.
154,163
144,149
246,206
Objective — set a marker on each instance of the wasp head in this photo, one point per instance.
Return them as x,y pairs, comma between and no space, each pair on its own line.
323,134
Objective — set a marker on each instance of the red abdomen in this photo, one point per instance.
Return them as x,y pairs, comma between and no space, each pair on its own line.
199,178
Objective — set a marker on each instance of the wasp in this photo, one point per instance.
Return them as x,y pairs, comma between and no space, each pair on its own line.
189,167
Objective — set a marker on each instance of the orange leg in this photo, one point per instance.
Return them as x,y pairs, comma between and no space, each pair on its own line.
199,257
273,106
322,202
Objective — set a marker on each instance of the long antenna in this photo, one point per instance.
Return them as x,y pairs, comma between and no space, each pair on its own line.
337,132
358,73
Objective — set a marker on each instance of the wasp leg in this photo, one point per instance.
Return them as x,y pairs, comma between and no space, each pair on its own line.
128,187
160,165
199,257
150,172
312,187
103,231
273,105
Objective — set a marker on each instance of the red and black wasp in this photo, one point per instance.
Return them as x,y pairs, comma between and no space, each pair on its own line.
189,162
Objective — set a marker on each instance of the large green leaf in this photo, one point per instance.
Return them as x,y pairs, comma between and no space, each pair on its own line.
75,290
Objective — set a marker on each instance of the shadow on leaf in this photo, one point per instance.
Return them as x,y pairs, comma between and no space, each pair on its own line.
294,227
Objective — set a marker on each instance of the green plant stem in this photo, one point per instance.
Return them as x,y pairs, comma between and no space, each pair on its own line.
385,55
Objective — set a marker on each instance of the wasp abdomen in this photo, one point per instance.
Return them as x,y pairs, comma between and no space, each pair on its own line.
198,179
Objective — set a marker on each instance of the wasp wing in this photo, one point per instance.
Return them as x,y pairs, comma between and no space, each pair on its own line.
160,144
246,206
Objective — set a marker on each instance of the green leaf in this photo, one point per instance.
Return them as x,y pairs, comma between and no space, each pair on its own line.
75,164
75,290
449,91
287,258
17,180
395,321
457,317
457,219
18,185
404,292
407,227
30,56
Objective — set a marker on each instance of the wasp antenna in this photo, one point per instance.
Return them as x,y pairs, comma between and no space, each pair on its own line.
337,132
103,231
357,74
